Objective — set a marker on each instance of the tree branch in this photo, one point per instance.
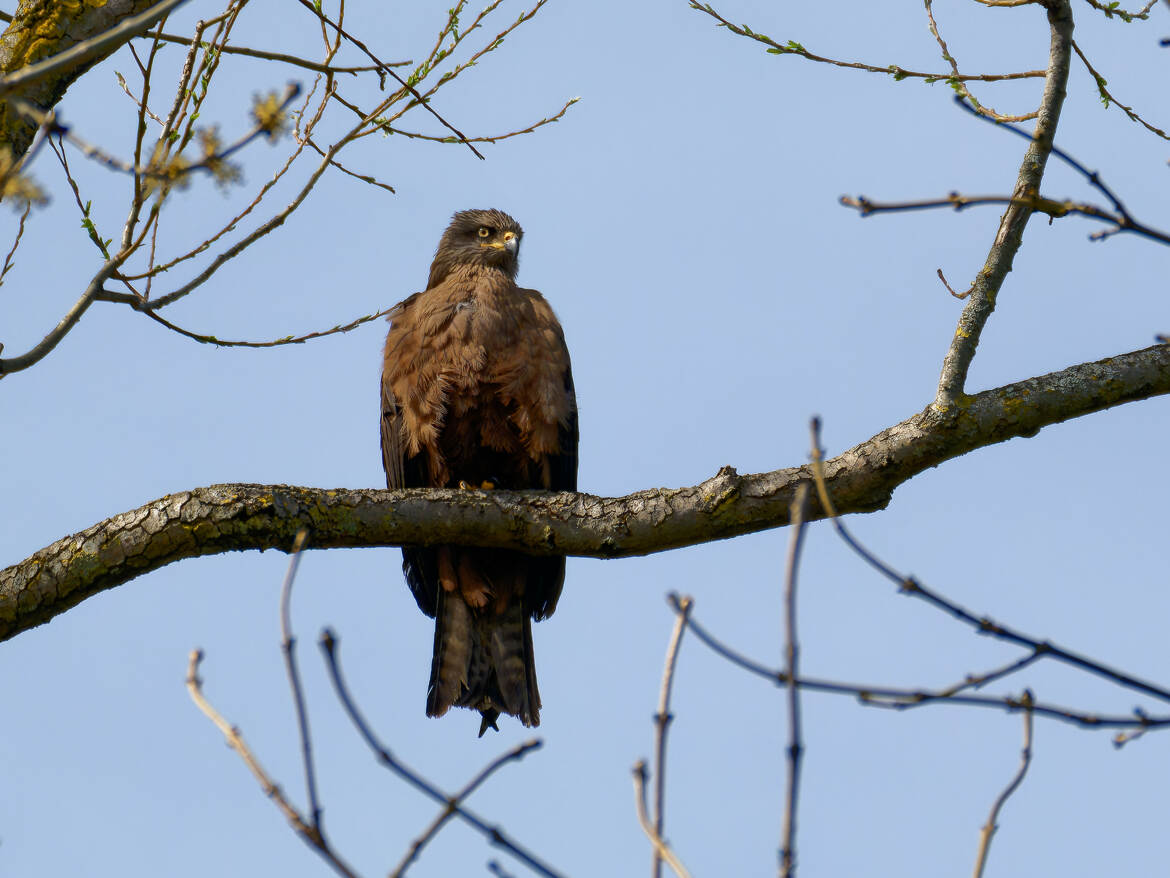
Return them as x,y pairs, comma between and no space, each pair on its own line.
43,67
1011,227
222,518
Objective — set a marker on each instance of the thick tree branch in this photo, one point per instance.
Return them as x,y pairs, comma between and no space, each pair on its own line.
222,518
66,39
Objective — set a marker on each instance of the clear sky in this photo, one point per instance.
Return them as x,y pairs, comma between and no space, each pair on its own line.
683,220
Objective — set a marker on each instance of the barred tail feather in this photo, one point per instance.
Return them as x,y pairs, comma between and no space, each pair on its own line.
483,659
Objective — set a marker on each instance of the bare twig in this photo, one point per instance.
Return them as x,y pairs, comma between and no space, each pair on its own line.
1111,10
791,47
15,243
288,647
448,811
386,69
115,36
365,178
891,697
791,670
908,585
274,221
235,740
991,826
208,163
53,338
662,720
956,81
981,302
304,63
494,834
1107,98
143,305
1037,203
660,845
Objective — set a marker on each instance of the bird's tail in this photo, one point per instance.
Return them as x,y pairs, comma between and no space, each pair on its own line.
483,656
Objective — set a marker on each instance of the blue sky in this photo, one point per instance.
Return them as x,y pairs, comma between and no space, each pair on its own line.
683,221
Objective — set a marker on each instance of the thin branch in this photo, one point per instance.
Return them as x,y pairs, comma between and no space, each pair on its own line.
791,47
386,69
1107,97
792,652
273,222
991,826
908,585
955,80
978,681
1036,203
205,521
168,175
40,350
494,834
1111,10
15,244
981,302
304,63
235,740
288,647
115,36
662,720
901,698
144,306
234,221
660,846
387,128
448,811
365,178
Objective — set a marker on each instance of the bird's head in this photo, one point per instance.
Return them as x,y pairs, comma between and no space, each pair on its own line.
478,237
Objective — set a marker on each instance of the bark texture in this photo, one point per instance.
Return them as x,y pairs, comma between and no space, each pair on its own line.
222,518
40,29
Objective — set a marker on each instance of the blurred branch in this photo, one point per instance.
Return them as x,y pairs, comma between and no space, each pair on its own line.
661,848
991,826
168,174
886,696
791,47
206,521
8,263
662,720
985,289
493,834
791,652
288,648
235,740
448,811
908,585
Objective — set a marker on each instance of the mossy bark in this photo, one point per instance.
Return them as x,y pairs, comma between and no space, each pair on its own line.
40,29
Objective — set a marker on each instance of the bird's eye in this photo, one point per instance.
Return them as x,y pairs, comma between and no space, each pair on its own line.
484,232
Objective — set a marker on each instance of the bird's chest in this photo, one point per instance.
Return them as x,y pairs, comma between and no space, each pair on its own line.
480,341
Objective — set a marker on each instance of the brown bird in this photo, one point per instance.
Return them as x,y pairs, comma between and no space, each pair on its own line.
477,392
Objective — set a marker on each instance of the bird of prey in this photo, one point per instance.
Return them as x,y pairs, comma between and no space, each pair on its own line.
477,392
